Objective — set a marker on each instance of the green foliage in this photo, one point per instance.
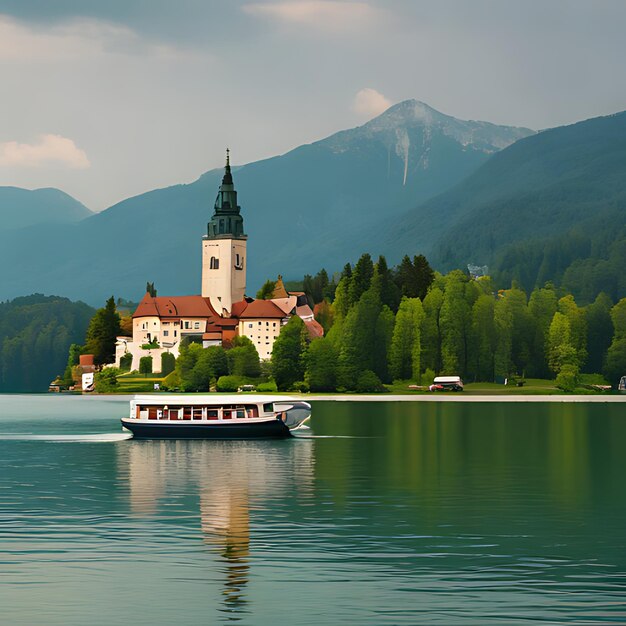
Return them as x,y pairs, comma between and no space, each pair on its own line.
300,386
324,315
267,387
427,377
151,290
405,349
228,383
414,278
361,278
243,358
168,363
318,287
288,353
106,380
197,366
126,362
567,378
153,345
171,381
368,382
36,333
103,330
267,290
145,365
321,365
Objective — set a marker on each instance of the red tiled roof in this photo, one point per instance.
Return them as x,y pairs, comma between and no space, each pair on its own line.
262,309
212,335
238,308
174,307
315,329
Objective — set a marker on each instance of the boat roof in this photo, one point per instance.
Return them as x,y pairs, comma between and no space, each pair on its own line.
209,398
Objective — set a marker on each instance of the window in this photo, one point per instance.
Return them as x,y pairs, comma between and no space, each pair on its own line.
260,323
196,324
215,263
175,333
267,323
187,325
250,325
166,333
268,408
274,324
166,323
238,262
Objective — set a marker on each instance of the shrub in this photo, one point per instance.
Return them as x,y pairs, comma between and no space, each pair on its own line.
368,382
266,387
153,345
428,377
567,379
301,386
126,362
228,383
145,365
106,380
168,362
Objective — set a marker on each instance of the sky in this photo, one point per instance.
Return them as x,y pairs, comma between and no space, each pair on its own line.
111,98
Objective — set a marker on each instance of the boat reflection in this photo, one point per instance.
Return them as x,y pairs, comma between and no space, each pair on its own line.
228,478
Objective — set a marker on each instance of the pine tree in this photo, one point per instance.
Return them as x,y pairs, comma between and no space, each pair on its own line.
102,333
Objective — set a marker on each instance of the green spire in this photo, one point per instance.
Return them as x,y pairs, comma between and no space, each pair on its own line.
227,220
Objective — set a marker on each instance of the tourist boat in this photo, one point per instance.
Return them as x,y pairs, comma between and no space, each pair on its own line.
215,416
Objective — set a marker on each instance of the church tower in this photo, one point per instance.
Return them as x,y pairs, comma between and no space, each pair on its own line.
224,249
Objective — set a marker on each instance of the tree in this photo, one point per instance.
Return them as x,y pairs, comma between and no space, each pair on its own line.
151,290
243,358
168,363
105,381
324,314
288,353
542,307
615,366
483,338
145,365
405,350
414,278
321,365
455,324
361,278
389,292
560,349
267,290
102,333
599,332
431,330
503,324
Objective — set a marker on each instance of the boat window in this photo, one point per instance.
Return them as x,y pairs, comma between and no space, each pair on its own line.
212,414
269,407
241,413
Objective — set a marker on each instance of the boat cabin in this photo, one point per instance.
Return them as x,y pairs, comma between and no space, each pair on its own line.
172,408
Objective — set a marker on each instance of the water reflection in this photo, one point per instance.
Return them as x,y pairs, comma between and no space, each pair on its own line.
230,479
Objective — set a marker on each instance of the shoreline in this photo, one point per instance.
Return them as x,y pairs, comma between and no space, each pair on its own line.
464,398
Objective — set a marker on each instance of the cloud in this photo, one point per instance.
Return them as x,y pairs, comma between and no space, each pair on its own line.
49,149
330,15
369,103
77,38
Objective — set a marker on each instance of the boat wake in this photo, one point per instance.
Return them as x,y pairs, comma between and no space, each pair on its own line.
97,438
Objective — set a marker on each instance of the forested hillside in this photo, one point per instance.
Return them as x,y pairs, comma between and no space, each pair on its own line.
35,335
551,207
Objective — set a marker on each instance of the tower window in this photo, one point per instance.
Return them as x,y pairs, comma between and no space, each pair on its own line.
238,262
215,263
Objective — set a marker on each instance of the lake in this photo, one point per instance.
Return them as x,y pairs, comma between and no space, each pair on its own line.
391,513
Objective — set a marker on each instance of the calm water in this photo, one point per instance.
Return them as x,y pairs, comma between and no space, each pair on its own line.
394,513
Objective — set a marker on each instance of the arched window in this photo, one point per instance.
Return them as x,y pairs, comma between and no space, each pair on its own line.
215,263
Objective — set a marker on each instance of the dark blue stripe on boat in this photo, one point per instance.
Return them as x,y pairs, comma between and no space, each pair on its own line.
269,429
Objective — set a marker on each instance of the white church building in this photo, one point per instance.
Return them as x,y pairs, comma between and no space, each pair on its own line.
222,310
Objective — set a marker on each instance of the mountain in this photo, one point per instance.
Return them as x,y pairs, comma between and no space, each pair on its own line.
24,207
552,206
316,205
